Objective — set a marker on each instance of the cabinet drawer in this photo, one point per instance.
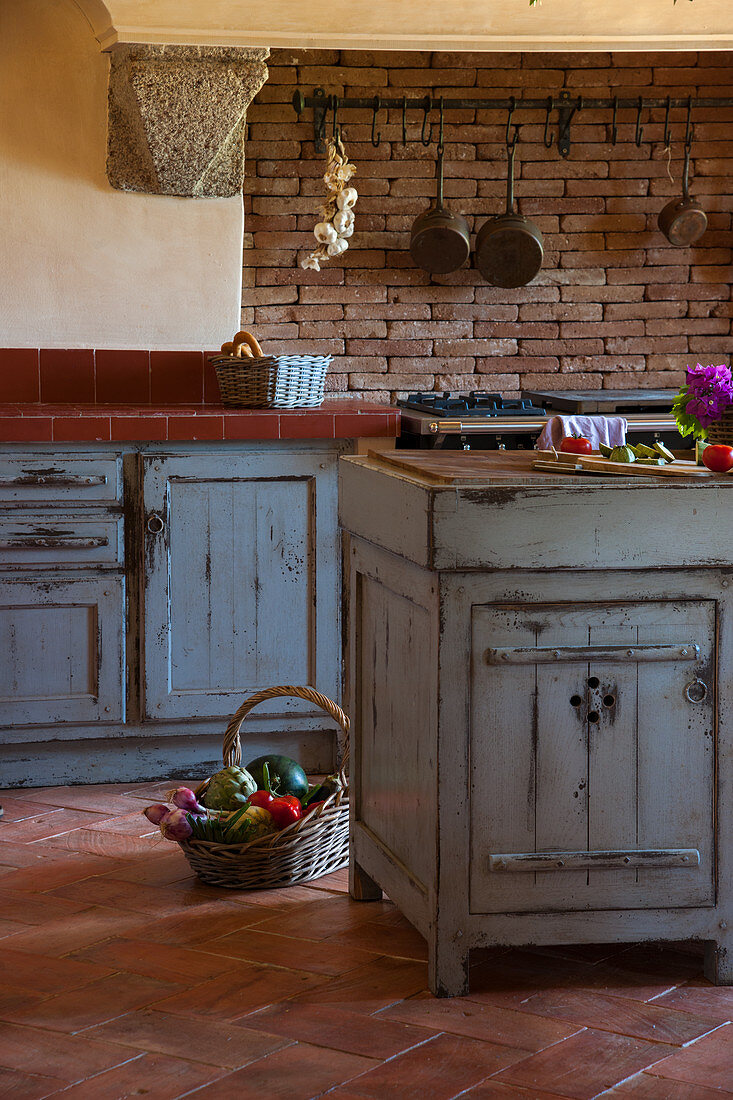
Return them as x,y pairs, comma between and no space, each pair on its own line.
62,645
29,540
67,480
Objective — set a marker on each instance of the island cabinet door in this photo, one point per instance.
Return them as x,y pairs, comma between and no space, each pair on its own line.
592,748
241,580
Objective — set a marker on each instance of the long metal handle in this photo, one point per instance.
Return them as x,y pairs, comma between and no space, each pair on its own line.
686,173
510,177
54,542
53,481
502,425
439,174
535,655
650,858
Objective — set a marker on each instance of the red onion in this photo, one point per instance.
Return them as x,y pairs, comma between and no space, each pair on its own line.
156,813
175,825
185,799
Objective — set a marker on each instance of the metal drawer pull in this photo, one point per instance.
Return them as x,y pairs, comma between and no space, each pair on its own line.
53,481
55,542
535,655
697,691
650,858
155,524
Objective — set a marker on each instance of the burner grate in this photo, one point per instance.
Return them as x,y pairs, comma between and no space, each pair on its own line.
475,403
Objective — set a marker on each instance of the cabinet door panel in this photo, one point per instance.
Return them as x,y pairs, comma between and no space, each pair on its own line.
232,579
593,754
62,651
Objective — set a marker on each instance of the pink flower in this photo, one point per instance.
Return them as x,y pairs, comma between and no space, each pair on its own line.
710,392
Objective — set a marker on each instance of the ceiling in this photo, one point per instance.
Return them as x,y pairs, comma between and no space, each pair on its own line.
553,25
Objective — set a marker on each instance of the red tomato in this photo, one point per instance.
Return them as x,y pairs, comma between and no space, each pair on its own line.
718,457
576,445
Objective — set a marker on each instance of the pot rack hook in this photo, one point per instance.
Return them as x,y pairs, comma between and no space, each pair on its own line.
427,104
614,127
404,120
667,139
639,128
376,103
510,143
689,126
548,144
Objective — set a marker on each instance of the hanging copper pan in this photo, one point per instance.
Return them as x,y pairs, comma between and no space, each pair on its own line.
440,240
683,221
509,248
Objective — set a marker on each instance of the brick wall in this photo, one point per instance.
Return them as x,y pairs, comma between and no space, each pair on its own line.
614,306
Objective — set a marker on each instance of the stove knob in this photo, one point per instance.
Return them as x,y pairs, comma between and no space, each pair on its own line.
501,447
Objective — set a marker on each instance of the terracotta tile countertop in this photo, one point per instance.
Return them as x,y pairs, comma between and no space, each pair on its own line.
77,423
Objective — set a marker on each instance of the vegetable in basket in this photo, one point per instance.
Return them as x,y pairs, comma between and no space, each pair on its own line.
286,775
331,785
283,809
229,789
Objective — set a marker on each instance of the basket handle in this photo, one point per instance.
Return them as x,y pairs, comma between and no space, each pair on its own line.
233,746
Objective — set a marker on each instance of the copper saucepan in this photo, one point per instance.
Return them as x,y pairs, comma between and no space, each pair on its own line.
683,221
440,241
509,248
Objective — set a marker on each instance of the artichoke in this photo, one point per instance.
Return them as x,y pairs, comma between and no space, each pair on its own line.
229,789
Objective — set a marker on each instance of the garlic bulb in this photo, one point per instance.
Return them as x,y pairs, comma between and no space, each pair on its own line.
325,233
346,198
347,232
337,247
342,219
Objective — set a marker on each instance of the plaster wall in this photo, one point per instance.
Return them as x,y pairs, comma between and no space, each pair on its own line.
84,265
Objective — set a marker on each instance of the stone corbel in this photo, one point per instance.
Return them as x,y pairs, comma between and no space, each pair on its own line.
177,117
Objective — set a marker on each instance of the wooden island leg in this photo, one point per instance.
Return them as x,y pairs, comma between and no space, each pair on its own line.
447,966
362,886
719,960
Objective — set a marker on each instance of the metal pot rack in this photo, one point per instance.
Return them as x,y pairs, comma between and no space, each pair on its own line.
566,105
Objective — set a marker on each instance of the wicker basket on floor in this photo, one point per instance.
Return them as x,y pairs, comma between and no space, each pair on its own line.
309,848
272,381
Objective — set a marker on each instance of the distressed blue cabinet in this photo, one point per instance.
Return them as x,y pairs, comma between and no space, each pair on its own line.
241,579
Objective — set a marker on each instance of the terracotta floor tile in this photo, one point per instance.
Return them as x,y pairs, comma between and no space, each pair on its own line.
440,1069
152,1074
13,998
240,990
584,1065
128,824
293,897
497,1090
94,1003
384,939
196,926
80,930
702,999
10,927
266,947
489,1023
27,1086
137,897
17,809
95,798
298,1072
18,854
707,1062
371,987
351,1032
645,1087
44,974
619,1014
44,875
47,824
53,1054
325,918
337,881
212,1042
104,844
158,869
29,908
155,960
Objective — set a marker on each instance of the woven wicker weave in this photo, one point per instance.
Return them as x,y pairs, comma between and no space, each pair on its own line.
313,846
721,431
272,381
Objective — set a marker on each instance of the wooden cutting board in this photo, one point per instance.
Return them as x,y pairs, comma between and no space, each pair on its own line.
594,464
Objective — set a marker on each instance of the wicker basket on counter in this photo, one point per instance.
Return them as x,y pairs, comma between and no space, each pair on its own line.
249,379
721,431
309,848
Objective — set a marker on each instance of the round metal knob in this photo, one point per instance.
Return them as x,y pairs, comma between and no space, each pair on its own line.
155,524
696,691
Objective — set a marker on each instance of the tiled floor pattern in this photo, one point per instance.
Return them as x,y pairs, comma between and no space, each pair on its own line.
122,975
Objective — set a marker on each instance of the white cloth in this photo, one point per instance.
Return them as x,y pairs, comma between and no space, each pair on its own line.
610,430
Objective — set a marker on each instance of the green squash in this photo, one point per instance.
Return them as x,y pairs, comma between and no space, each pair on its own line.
229,789
286,775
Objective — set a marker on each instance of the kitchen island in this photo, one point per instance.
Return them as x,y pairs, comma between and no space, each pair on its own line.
539,680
